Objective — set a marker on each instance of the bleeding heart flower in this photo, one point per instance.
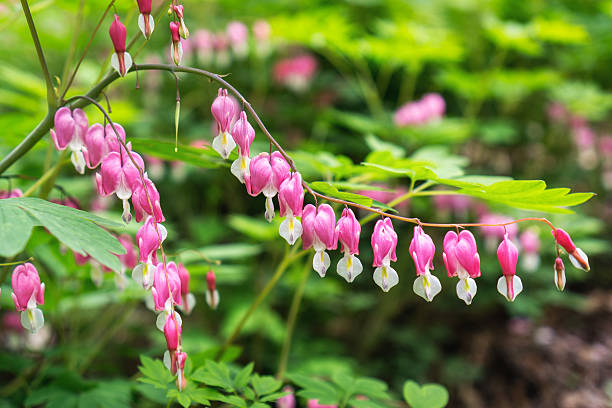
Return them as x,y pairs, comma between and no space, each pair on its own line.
148,244
178,10
384,241
243,134
291,202
508,285
121,60
461,259
238,35
70,131
422,250
559,274
348,231
177,47
223,110
27,293
266,174
141,201
576,255
319,232
212,294
146,22
189,300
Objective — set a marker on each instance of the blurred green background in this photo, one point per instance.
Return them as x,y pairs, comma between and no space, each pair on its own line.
527,95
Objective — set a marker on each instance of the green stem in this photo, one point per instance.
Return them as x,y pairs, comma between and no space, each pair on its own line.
51,96
280,269
49,176
293,311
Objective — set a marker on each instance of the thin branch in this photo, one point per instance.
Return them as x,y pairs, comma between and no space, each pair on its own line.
51,97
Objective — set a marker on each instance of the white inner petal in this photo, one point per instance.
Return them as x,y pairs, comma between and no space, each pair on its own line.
349,267
466,290
320,262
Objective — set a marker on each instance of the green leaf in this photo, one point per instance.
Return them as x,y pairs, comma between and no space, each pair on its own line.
528,195
214,374
163,149
426,396
79,230
314,388
242,378
331,191
233,400
264,385
154,373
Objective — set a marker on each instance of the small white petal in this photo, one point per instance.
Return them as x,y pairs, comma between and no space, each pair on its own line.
190,302
269,209
427,286
502,287
78,160
290,229
115,62
559,279
385,277
223,144
349,267
320,262
466,290
126,216
32,319
212,299
168,360
163,315
575,262
143,275
127,58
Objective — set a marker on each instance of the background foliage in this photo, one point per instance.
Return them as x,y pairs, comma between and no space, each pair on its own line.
500,66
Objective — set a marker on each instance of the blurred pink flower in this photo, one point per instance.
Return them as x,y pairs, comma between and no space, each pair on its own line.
296,73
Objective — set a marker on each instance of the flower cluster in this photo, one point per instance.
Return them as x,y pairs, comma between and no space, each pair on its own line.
430,107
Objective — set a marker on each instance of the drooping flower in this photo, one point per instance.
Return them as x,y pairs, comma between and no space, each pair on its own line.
212,294
223,110
70,131
28,292
141,203
121,60
243,134
238,35
422,250
530,247
148,244
172,333
181,358
120,176
461,259
348,231
384,242
576,255
319,232
261,32
176,47
291,203
178,11
266,174
559,274
189,300
146,22
508,285
95,145
113,140
162,297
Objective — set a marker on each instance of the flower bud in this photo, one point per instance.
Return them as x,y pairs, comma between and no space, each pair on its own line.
177,47
577,256
121,60
212,295
508,285
559,274
146,22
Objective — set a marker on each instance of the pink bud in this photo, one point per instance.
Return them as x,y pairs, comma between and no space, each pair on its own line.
27,289
348,231
223,110
81,259
160,285
422,250
384,241
211,280
564,240
70,128
172,332
507,253
559,274
319,227
291,196
184,275
243,134
118,34
433,104
181,357
129,260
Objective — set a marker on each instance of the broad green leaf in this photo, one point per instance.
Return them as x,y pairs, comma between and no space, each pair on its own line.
426,396
79,230
16,229
163,149
264,385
